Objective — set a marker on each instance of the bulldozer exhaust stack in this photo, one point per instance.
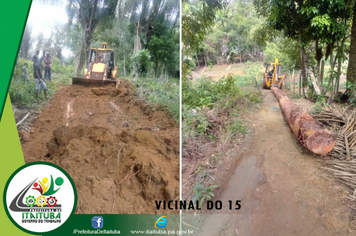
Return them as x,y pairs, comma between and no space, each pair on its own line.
308,131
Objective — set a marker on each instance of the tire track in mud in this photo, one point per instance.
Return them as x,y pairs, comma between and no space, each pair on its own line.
122,153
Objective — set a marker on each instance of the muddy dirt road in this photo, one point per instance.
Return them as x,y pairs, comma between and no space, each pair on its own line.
122,153
283,191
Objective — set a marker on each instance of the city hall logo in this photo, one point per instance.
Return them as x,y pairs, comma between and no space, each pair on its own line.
39,197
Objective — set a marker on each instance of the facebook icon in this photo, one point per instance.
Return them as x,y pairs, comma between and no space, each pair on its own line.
97,222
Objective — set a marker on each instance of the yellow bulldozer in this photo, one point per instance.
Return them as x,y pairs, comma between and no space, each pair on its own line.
100,69
273,76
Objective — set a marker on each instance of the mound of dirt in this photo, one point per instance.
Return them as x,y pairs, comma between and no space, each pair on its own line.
122,153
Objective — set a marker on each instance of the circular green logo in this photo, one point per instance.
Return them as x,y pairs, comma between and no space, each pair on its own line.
39,197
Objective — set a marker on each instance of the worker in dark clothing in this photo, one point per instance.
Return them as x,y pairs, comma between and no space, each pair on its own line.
36,59
270,74
38,75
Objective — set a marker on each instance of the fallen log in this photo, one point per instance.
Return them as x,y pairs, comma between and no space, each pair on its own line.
23,119
308,131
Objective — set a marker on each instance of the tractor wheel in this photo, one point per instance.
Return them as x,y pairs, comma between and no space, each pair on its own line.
263,82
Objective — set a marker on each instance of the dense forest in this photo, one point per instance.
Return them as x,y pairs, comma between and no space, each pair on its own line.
129,27
316,37
144,35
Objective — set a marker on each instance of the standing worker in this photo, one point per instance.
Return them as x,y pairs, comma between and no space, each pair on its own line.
38,75
48,68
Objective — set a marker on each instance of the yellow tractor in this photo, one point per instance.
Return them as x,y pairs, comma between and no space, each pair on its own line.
273,76
100,69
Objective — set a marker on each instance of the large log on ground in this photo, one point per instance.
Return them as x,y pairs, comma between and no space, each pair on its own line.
308,131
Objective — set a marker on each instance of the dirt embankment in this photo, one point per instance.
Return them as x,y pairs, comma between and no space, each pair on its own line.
122,153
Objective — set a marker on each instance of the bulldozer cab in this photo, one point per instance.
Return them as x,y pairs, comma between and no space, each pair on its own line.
100,67
100,64
273,75
100,55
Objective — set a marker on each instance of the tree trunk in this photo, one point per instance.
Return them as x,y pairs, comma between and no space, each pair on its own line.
88,29
26,42
303,65
196,57
156,68
80,60
332,64
318,57
314,82
351,69
337,82
300,83
322,74
318,73
124,65
137,42
308,131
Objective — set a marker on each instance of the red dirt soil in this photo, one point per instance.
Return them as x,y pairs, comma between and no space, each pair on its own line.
122,153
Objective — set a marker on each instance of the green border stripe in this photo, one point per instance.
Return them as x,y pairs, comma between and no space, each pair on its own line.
13,17
11,159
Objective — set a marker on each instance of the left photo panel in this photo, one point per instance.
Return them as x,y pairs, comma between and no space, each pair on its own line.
96,91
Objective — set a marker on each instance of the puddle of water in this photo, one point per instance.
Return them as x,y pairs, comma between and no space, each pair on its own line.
274,108
247,176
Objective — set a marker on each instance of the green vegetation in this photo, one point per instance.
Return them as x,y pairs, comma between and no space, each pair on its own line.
143,34
318,34
22,93
141,63
202,193
211,114
206,92
213,34
236,126
220,96
161,92
310,37
197,20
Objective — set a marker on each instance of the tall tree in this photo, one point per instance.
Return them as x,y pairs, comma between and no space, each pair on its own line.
351,69
26,41
306,21
197,19
89,13
162,46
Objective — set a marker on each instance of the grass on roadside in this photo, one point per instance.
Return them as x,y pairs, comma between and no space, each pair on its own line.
23,93
211,122
161,92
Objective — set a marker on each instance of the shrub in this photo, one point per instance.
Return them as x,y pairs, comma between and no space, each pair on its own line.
141,63
206,92
195,123
161,92
23,93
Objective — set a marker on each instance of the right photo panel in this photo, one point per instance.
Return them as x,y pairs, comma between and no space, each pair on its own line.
268,117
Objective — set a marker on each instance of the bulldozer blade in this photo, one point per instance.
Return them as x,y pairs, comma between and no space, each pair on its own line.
310,133
91,82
